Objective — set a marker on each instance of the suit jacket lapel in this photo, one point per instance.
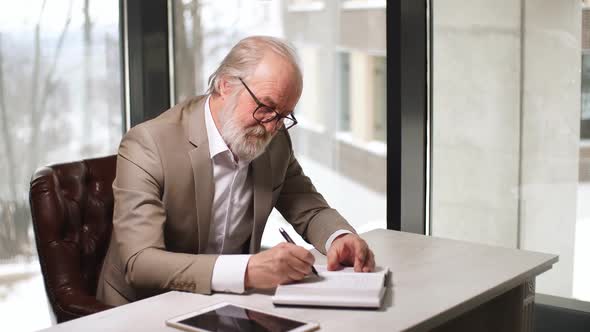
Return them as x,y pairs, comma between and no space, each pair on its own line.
202,169
262,183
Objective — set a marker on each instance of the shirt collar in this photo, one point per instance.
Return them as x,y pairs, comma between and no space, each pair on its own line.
216,143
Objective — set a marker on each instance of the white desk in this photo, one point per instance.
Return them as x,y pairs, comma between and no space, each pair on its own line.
437,284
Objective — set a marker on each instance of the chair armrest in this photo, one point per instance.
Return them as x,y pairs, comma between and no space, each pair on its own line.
71,305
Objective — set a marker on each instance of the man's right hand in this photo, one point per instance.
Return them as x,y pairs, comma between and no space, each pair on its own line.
283,263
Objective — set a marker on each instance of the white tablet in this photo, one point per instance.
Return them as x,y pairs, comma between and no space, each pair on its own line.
227,317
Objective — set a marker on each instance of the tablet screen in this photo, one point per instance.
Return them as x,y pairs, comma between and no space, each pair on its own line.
231,318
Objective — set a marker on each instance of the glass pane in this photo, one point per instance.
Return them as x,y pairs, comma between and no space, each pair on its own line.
340,138
59,101
508,154
586,79
380,98
344,91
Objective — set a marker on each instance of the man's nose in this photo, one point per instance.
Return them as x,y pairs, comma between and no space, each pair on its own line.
271,126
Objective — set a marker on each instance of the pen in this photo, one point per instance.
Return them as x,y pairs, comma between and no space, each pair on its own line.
288,239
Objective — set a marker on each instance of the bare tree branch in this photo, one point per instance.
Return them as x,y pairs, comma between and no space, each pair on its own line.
197,47
48,88
87,112
35,77
6,131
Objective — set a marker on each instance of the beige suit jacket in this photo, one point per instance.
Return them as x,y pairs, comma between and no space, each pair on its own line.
163,196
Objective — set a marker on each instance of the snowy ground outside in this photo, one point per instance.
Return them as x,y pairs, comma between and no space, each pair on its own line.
23,303
24,306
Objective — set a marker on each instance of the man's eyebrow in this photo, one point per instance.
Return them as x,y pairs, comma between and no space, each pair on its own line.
271,103
268,101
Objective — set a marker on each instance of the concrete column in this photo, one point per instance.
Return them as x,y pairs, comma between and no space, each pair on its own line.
550,135
506,129
476,111
309,103
361,96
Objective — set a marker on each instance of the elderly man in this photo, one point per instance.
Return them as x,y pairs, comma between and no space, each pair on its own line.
195,186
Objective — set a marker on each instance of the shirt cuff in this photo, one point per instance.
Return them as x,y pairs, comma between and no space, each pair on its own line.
334,236
229,272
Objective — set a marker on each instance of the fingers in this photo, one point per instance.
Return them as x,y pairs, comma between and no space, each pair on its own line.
282,264
301,253
340,254
370,262
333,259
297,265
353,251
299,258
294,262
359,256
294,275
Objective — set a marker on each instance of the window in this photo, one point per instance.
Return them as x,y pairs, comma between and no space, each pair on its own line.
59,101
380,99
344,91
508,153
335,44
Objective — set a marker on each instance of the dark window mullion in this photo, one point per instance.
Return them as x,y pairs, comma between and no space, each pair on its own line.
406,120
148,63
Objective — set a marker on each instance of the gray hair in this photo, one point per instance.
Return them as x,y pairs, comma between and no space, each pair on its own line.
243,58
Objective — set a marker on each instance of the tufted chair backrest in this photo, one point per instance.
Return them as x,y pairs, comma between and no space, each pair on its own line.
72,212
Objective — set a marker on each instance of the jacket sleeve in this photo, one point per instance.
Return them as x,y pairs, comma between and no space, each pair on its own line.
306,209
139,219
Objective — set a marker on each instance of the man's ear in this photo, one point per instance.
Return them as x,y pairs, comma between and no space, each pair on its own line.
225,87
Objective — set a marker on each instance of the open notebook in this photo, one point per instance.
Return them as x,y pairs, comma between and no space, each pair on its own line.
344,288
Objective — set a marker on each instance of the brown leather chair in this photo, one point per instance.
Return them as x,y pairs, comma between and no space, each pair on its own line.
72,211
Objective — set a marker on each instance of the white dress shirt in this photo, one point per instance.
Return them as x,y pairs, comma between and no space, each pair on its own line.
232,213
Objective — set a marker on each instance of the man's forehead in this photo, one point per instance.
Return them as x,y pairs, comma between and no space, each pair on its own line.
274,94
275,72
284,85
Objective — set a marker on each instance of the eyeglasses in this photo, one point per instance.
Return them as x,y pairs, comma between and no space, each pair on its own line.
265,114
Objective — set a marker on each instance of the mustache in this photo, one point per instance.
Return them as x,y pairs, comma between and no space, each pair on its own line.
257,131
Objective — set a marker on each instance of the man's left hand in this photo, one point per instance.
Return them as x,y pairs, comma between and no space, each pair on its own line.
350,250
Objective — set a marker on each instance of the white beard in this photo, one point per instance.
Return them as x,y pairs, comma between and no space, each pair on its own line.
245,143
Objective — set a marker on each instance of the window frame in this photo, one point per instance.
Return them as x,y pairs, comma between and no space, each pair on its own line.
406,130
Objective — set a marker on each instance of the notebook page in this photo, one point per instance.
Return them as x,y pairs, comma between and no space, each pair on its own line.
342,279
